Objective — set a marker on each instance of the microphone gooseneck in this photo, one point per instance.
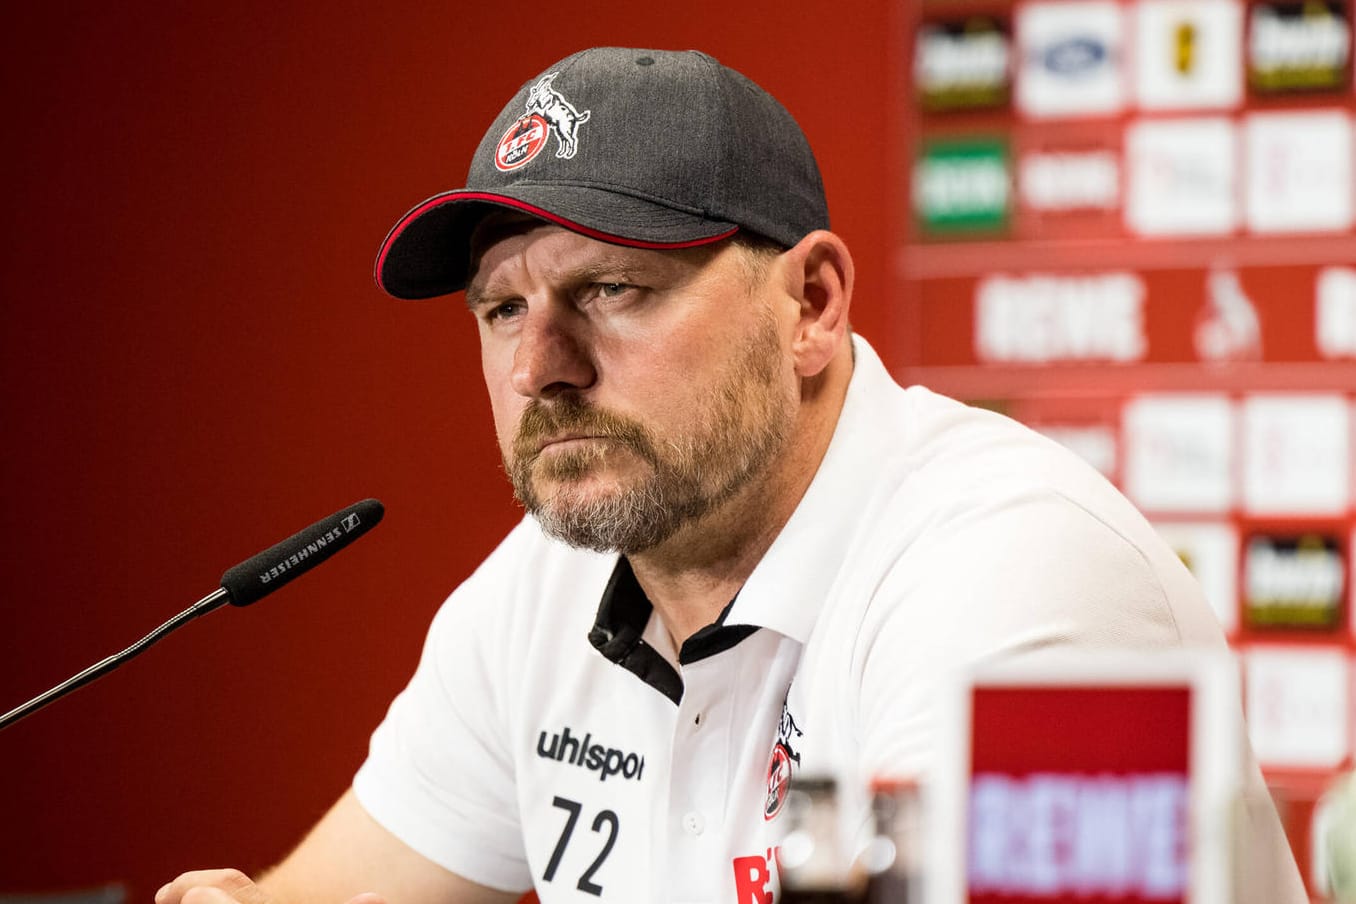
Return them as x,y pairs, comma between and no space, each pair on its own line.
246,583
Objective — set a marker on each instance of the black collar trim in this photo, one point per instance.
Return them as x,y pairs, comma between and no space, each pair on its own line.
714,638
622,614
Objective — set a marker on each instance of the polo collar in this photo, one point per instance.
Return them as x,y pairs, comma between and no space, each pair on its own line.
787,588
618,629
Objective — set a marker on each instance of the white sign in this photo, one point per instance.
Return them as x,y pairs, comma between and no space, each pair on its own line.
1179,452
1335,312
1299,171
1070,58
1188,54
1069,180
1181,177
1297,705
1296,454
1040,319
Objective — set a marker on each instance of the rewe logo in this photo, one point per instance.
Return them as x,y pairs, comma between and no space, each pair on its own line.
1049,835
606,761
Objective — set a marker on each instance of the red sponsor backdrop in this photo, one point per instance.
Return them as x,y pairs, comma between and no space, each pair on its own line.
196,363
1161,206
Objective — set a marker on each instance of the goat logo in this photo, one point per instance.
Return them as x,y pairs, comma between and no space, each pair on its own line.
547,112
782,764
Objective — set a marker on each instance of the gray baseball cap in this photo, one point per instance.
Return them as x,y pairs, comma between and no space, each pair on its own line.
648,148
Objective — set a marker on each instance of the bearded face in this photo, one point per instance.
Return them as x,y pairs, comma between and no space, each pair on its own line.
665,477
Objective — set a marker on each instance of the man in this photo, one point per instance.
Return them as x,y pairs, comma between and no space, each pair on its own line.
750,554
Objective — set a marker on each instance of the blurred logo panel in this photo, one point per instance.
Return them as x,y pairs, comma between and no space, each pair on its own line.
1298,705
962,186
1299,171
963,64
1296,454
1070,58
1188,54
1298,47
1181,177
1294,581
1179,451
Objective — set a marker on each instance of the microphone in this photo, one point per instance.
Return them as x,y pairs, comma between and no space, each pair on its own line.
246,583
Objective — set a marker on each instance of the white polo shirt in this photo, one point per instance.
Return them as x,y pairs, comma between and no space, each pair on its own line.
547,741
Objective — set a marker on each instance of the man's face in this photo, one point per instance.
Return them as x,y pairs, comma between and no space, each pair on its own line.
634,391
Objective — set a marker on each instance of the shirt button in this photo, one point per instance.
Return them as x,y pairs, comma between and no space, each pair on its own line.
693,823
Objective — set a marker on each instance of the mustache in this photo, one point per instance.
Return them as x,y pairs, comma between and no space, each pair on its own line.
542,421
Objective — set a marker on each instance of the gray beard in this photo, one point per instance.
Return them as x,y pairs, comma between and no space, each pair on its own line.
744,427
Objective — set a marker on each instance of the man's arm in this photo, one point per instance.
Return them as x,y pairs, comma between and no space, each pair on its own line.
348,854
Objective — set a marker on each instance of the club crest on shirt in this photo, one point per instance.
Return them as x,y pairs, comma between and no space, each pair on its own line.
547,112
783,761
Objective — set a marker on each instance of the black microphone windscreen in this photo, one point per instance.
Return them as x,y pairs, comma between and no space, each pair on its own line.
260,575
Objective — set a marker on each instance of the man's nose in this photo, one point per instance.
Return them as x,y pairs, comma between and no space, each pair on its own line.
552,355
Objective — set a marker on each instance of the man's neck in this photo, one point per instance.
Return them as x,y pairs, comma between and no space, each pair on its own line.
699,570
691,577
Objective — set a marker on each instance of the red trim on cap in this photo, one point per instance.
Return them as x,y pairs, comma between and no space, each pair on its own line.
439,200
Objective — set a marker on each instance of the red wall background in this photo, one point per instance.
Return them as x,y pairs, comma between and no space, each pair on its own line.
196,363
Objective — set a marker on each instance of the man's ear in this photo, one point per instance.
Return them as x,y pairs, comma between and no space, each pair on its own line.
819,276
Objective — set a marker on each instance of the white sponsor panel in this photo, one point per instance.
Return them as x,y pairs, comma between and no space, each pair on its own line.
1298,705
1070,58
1179,452
1181,177
1188,54
1057,181
1299,171
1048,834
1040,318
1296,454
1210,550
1095,444
1335,312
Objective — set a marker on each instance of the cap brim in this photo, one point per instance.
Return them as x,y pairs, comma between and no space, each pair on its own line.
427,252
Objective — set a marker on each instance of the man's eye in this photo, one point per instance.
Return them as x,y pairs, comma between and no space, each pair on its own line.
611,290
503,311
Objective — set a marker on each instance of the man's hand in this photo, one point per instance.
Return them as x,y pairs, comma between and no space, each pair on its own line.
348,858
228,886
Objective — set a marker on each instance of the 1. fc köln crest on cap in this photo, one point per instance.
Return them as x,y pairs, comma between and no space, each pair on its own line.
547,112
